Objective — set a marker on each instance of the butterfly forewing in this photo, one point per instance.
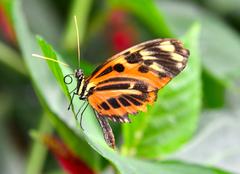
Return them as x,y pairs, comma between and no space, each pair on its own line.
129,81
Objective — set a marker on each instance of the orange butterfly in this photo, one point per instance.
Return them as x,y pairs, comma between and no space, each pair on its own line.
129,81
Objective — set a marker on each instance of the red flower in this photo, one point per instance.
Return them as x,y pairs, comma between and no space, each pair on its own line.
121,31
6,27
70,163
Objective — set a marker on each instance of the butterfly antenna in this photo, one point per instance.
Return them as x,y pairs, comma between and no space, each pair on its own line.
51,59
78,41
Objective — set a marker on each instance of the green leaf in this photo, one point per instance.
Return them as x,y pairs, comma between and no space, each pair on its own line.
219,43
147,12
173,119
48,91
213,91
55,67
172,167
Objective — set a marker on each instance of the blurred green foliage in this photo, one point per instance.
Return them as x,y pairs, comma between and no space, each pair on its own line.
33,95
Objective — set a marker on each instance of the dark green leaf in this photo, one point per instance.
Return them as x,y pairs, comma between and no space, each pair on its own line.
213,91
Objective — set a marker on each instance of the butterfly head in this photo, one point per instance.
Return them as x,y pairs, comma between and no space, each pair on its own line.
79,74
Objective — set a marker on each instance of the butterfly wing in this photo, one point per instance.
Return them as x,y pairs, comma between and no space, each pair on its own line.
127,82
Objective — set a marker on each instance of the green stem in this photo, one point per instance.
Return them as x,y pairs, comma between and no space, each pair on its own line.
38,152
80,8
12,59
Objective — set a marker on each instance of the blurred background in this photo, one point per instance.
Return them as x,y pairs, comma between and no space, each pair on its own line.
107,27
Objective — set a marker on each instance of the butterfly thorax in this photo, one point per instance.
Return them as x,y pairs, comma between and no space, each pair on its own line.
80,84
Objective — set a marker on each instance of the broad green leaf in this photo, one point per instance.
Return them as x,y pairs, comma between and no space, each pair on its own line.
208,147
59,72
219,43
47,89
173,118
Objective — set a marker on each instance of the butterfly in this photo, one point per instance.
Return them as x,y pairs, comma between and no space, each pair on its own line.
129,81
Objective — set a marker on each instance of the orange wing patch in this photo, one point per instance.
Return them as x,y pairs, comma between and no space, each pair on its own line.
129,81
118,100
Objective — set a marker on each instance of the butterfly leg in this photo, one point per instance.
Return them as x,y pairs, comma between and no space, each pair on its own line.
81,115
107,130
71,102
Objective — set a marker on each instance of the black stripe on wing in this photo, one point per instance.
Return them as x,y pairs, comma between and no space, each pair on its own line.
165,57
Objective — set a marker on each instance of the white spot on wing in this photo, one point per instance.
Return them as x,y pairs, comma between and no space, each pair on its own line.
150,58
126,120
177,57
165,43
157,67
179,65
167,48
146,53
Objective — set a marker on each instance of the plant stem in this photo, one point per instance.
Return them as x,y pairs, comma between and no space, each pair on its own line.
38,152
80,8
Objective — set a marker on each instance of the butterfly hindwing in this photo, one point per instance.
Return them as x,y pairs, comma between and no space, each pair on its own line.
120,97
129,81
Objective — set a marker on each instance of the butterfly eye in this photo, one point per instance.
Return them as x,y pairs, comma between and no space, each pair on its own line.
68,79
78,73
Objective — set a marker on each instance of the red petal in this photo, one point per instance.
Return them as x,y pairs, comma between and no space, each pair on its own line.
121,31
6,27
70,163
